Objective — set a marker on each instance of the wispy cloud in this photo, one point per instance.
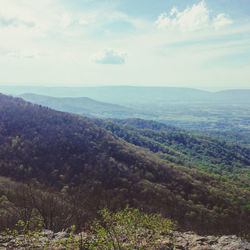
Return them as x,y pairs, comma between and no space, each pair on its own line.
14,22
221,20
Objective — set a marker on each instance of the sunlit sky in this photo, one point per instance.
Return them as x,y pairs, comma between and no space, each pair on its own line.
182,43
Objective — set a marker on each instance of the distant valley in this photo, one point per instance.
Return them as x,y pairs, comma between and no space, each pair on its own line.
225,115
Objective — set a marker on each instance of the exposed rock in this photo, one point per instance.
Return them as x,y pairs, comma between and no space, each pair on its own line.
61,235
192,241
182,241
47,233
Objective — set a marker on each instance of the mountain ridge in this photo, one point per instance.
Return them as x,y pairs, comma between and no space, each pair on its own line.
121,94
79,105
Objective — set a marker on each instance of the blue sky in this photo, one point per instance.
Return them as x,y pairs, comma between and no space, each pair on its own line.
200,43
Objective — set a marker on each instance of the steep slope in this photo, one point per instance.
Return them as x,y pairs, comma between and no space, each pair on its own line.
67,150
179,146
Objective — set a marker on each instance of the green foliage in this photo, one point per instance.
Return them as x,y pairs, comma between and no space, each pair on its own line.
129,229
180,147
23,235
126,229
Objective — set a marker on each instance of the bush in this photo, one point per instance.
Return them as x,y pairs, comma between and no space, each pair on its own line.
129,229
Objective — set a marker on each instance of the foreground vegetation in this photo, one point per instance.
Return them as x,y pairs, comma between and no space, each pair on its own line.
125,229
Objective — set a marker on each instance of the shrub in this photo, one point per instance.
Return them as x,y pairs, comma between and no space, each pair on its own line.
129,229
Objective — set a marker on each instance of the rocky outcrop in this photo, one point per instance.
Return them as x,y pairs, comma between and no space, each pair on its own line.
192,241
182,241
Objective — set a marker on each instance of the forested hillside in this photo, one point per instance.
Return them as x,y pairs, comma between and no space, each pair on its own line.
181,147
67,151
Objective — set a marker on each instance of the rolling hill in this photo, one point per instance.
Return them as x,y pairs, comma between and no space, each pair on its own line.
66,151
82,105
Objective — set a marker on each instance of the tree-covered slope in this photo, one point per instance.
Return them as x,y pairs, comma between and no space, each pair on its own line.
145,124
68,151
178,146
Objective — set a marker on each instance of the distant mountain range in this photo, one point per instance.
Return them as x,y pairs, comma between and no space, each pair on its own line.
135,95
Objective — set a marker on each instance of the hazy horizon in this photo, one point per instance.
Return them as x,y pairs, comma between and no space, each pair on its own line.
204,88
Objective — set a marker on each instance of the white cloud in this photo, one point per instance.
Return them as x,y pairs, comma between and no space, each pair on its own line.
40,18
191,19
26,19
221,20
110,56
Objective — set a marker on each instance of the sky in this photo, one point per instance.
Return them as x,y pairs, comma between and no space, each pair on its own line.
179,43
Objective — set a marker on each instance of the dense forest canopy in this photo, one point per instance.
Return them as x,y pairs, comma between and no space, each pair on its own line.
184,148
